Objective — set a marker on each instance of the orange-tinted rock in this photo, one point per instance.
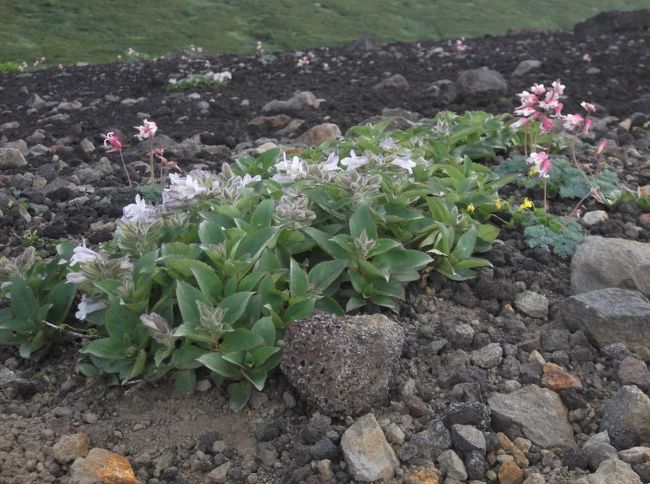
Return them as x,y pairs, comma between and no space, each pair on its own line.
424,476
102,466
510,473
557,378
319,134
265,124
506,444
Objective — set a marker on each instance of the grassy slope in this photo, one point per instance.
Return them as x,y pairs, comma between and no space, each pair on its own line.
89,30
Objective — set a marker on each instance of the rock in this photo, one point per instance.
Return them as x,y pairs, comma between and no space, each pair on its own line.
444,90
394,434
263,148
396,81
506,444
487,357
610,316
342,364
20,145
102,466
539,413
469,413
599,263
368,456
468,438
452,465
11,158
431,441
267,124
612,471
510,473
594,217
635,455
9,126
643,470
87,146
319,134
557,378
613,22
597,449
525,67
626,417
301,100
475,465
481,81
534,478
635,372
461,335
364,43
35,101
532,304
424,476
69,447
219,475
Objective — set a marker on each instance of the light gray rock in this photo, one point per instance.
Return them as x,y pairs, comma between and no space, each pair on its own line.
597,449
593,217
534,478
396,81
342,364
9,126
368,455
487,357
319,134
468,438
635,455
452,465
481,81
539,413
87,146
532,304
600,263
610,316
612,471
219,474
300,101
443,89
626,417
11,158
20,145
35,101
525,67
69,447
634,371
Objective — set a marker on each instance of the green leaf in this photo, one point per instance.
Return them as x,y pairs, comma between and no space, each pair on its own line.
186,357
188,297
110,348
184,266
91,371
121,323
257,377
144,266
139,365
354,303
299,310
240,340
263,214
211,233
262,354
265,328
465,245
328,246
239,394
234,306
329,305
24,304
362,220
322,275
60,297
185,381
216,363
398,260
254,243
298,280
209,282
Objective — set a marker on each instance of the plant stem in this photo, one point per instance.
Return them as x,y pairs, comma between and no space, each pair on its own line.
545,203
128,177
152,178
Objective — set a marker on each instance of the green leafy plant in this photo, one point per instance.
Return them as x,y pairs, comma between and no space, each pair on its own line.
543,229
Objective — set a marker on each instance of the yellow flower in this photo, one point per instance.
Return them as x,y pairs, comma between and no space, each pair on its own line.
526,204
471,208
498,204
533,171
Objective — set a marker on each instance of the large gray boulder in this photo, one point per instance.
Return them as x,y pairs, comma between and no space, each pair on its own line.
481,81
342,365
626,417
600,262
610,316
538,412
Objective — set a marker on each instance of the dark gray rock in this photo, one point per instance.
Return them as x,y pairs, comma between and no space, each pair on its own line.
614,22
396,81
467,438
475,465
525,67
431,441
342,364
469,413
598,449
481,81
626,417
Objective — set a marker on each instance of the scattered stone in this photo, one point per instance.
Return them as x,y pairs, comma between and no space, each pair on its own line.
626,417
525,67
610,315
396,81
634,371
597,449
342,364
452,465
424,476
594,217
506,444
20,145
319,134
600,263
539,413
368,456
394,434
9,126
102,466
612,471
534,478
431,441
444,89
635,455
469,413
557,378
35,101
481,81
69,447
267,124
301,100
510,473
219,475
11,158
532,304
468,438
487,357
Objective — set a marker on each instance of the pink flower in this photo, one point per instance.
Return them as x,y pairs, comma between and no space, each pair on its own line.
588,123
460,45
558,88
586,58
601,147
146,130
590,108
112,142
538,89
573,121
547,125
541,163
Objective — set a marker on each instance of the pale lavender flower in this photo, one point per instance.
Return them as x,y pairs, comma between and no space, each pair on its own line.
332,163
405,163
353,161
87,306
82,254
139,210
288,171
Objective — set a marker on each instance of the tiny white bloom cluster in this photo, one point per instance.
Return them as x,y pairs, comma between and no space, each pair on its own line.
221,76
288,171
140,211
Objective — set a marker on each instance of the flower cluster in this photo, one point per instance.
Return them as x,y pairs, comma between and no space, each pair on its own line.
146,130
543,104
541,164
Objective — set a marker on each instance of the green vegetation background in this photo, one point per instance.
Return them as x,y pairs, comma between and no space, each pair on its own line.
68,31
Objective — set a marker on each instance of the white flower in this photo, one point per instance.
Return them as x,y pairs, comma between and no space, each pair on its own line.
88,306
185,189
139,210
387,144
332,163
222,76
82,254
75,277
404,162
353,161
573,121
250,179
288,171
